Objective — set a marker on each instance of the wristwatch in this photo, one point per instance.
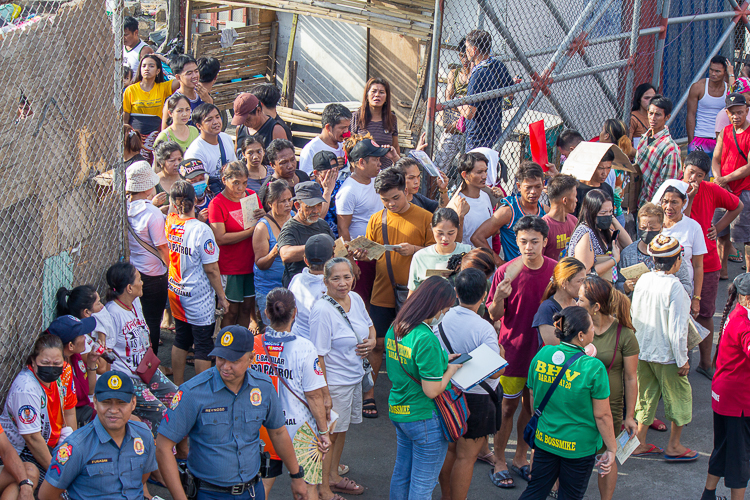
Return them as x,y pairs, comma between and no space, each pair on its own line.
26,482
299,475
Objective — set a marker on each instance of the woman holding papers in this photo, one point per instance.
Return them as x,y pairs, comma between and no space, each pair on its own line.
577,417
461,331
730,404
616,347
413,350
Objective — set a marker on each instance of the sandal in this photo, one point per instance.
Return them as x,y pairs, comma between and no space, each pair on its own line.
654,450
489,458
347,486
736,257
709,374
552,494
685,457
343,469
497,479
657,425
369,410
334,497
524,471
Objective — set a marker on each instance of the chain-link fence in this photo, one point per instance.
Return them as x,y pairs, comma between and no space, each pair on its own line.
61,188
573,64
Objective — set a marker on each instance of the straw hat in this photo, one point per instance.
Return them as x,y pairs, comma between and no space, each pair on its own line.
140,177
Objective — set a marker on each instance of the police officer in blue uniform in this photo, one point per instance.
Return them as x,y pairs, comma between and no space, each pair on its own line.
110,457
221,410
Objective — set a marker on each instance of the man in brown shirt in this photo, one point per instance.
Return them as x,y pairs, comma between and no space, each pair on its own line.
408,226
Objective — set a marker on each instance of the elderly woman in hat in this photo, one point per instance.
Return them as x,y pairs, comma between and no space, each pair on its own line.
729,403
148,244
660,312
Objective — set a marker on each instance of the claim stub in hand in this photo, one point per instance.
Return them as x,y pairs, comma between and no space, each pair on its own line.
391,248
374,250
634,272
339,248
443,273
249,205
625,446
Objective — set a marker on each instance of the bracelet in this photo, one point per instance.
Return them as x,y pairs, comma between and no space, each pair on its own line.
443,191
697,297
323,433
92,369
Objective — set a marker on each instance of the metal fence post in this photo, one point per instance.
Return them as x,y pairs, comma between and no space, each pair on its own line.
437,35
741,8
634,34
659,55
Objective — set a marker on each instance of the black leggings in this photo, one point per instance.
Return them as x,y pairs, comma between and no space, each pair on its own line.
574,474
153,301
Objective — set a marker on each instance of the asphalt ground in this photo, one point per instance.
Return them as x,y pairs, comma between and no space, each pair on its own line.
370,449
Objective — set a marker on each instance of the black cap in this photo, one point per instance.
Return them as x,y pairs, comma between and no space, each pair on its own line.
741,283
309,193
319,249
114,385
365,149
325,160
735,99
232,343
191,168
69,328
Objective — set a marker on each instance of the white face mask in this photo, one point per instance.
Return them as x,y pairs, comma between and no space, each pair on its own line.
434,321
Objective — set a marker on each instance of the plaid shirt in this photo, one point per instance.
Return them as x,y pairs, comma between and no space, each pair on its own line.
658,157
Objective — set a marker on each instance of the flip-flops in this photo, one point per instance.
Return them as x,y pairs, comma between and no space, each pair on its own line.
348,487
497,479
688,456
343,469
523,471
489,458
708,374
656,424
654,450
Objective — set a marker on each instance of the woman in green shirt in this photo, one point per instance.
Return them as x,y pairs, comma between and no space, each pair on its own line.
577,415
421,445
178,107
616,347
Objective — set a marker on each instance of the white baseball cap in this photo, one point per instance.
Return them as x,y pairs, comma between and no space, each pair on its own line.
140,177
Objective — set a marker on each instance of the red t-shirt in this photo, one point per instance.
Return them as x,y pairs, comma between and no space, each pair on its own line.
559,235
731,159
237,258
517,336
731,383
80,380
710,197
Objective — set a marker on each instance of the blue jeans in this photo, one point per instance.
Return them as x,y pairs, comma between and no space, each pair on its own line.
419,457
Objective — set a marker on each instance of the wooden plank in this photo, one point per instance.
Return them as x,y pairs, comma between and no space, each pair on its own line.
209,10
271,71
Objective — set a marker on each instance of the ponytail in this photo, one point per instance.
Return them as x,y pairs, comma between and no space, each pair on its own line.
619,305
626,145
74,302
611,301
731,298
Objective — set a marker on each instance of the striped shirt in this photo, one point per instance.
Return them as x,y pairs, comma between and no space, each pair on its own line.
658,157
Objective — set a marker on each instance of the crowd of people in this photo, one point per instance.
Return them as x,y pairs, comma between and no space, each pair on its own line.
248,256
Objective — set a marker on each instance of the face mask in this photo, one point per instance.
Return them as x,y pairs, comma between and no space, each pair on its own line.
603,221
438,319
200,188
49,374
647,236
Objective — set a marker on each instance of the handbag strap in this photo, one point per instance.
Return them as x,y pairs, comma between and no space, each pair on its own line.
384,220
737,143
278,373
150,248
617,343
341,311
222,153
556,382
483,384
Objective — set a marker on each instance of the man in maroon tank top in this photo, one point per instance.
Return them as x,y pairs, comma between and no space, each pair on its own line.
731,170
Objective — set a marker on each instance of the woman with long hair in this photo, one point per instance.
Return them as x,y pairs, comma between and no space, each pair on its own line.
344,336
413,351
593,241
143,101
730,387
178,107
132,146
473,172
167,159
254,155
376,117
616,347
268,268
561,292
639,111
614,132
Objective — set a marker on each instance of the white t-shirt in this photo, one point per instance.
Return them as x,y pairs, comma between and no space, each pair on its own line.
690,235
428,258
360,201
336,342
307,288
132,336
210,155
312,147
480,210
466,331
297,361
148,223
105,325
191,246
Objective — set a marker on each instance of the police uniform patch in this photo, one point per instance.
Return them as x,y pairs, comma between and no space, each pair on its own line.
176,400
114,382
256,398
226,339
27,414
138,446
63,453
558,358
